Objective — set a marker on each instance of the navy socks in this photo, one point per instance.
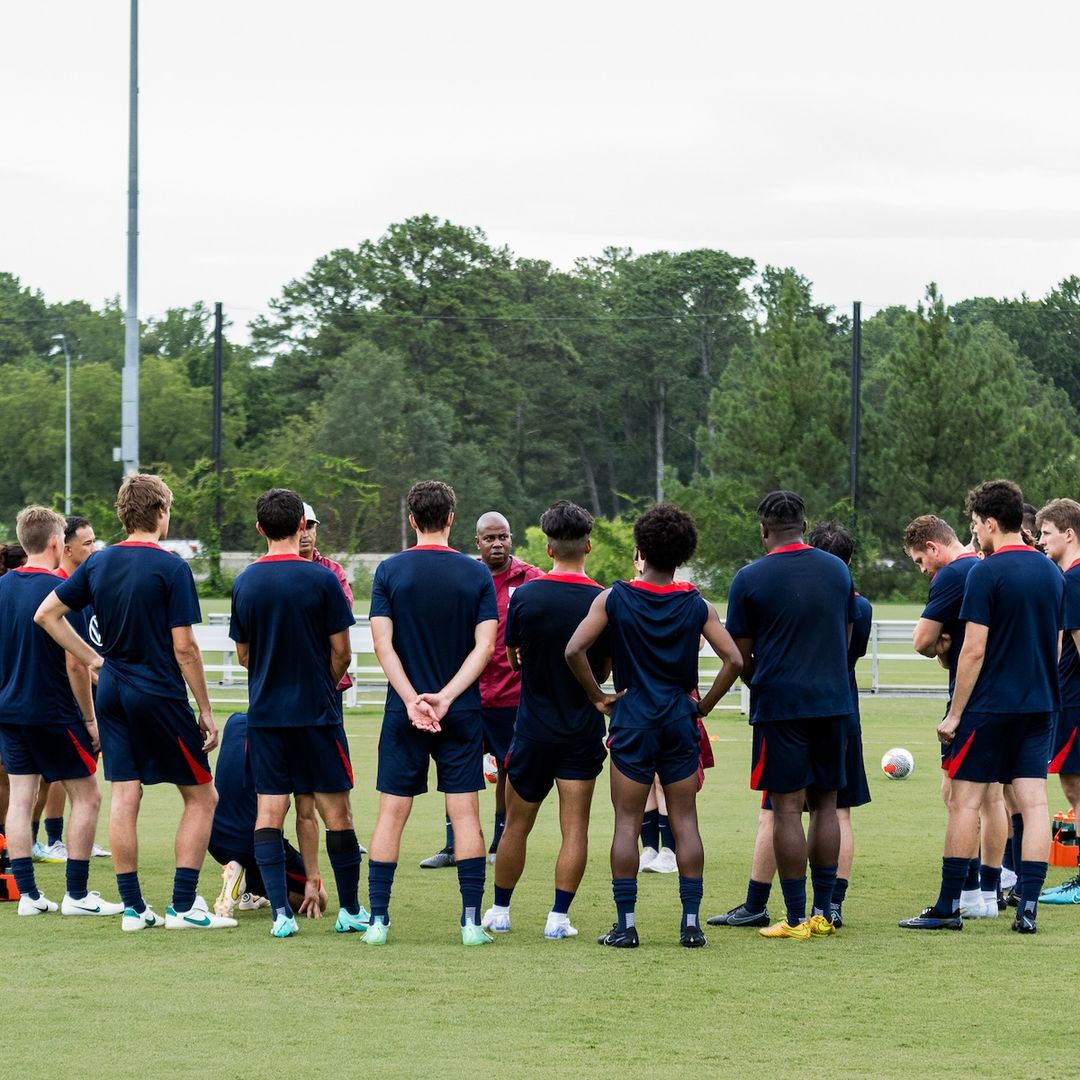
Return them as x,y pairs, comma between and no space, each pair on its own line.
380,884
650,829
471,874
823,879
691,891
625,892
343,850
186,883
563,900
757,895
54,830
1030,879
130,893
794,890
78,874
270,855
953,874
23,872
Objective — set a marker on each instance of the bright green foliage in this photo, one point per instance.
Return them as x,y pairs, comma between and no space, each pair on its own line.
611,558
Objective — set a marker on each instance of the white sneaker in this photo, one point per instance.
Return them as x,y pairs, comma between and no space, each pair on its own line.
40,853
36,907
990,905
99,853
197,917
648,855
1008,879
664,863
232,888
147,919
56,852
90,904
558,926
972,906
497,920
250,902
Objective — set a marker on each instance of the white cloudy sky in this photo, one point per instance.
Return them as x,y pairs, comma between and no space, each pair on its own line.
874,146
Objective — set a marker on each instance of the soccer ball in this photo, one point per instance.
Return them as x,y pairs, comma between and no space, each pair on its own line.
491,769
898,764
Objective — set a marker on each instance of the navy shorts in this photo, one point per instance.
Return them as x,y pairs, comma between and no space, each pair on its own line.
669,751
405,753
498,731
996,748
856,791
533,765
299,760
149,738
51,751
1065,743
223,852
790,755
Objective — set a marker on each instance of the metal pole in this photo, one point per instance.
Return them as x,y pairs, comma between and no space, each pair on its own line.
218,334
856,363
62,338
129,417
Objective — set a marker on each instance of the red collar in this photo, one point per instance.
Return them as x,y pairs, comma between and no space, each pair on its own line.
431,547
139,543
789,547
1075,562
570,579
966,555
675,586
34,570
62,573
1017,547
287,557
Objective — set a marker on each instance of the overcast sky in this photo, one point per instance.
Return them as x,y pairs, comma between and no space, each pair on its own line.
873,146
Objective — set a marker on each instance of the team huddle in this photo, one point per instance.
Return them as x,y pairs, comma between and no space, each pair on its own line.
493,654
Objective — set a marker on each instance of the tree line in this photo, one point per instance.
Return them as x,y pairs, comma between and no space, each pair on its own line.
693,376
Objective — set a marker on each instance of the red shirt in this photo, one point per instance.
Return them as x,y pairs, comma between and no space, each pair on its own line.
500,685
339,573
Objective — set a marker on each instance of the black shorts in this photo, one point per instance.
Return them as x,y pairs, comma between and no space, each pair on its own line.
790,755
533,765
299,760
997,748
498,731
669,751
856,791
223,852
1065,744
405,753
51,751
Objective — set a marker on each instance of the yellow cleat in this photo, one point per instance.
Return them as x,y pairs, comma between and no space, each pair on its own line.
783,930
820,926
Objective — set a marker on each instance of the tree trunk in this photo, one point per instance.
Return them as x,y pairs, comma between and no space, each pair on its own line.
658,414
590,484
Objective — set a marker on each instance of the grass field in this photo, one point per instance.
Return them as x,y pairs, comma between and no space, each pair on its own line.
872,1001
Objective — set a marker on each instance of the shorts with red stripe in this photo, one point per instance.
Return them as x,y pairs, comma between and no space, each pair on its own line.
300,760
791,755
51,751
149,738
1065,744
997,748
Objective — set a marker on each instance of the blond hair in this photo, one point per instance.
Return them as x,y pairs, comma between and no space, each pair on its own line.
36,526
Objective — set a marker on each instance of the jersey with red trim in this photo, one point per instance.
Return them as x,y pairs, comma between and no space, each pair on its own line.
436,597
1069,664
860,639
139,593
1019,595
339,572
83,622
34,687
943,604
795,605
500,685
655,636
541,619
285,609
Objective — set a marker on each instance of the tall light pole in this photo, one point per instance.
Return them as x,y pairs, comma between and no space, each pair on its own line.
67,421
129,409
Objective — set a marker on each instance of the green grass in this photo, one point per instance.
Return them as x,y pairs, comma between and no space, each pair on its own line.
873,1001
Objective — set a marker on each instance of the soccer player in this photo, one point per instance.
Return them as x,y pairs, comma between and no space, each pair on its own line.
558,737
145,602
290,621
1000,719
48,729
433,622
500,684
1058,524
655,625
232,842
790,613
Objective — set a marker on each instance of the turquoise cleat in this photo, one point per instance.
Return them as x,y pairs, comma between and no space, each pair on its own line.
471,934
376,933
352,924
284,926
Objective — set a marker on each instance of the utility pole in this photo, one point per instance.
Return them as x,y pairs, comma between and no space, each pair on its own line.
856,379
129,409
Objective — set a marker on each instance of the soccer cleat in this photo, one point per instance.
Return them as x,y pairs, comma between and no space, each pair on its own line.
491,857
990,905
664,863
42,854
439,860
471,934
1024,924
1012,897
691,937
741,916
620,939
836,918
820,926
558,926
100,853
932,919
353,924
497,920
90,904
144,920
1061,896
1065,887
197,917
251,902
41,906
976,909
1008,878
784,929
284,926
56,852
232,888
645,858
375,933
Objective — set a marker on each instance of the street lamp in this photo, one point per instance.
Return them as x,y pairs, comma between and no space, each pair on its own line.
67,421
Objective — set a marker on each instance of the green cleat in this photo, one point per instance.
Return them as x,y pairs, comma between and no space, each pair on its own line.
352,924
284,926
376,933
471,934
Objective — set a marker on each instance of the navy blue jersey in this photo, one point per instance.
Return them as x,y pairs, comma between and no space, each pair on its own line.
139,593
860,638
234,818
1069,664
944,602
435,596
285,609
1018,593
795,603
34,687
541,619
655,637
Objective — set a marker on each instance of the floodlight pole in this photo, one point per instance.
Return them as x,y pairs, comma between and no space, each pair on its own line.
856,378
129,410
62,338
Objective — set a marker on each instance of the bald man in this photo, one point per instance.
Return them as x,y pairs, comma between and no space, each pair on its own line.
500,685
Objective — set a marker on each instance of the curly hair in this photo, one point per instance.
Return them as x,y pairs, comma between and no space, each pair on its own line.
431,502
1001,500
666,536
834,538
925,529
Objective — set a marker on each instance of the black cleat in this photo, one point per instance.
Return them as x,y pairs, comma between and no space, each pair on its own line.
741,916
439,860
620,939
932,919
836,918
1024,924
1012,897
691,937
